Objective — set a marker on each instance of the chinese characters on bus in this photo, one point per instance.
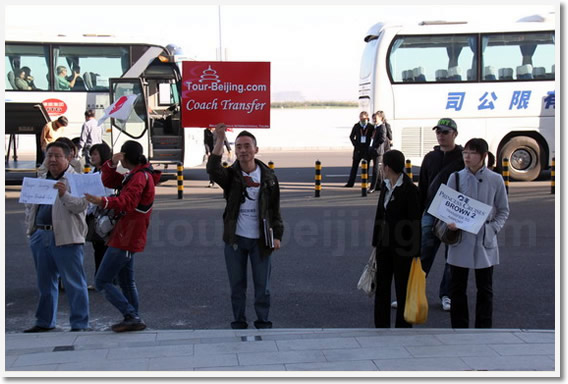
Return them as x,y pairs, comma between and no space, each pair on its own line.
518,100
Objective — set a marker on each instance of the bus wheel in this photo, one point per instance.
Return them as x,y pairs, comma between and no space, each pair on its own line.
524,158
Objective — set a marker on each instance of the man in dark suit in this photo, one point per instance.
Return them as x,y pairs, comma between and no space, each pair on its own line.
360,137
375,154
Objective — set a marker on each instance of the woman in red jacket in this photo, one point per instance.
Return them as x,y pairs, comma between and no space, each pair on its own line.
134,204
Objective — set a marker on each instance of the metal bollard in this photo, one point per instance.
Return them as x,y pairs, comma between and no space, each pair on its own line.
552,176
270,165
87,168
408,169
364,178
180,180
318,178
506,173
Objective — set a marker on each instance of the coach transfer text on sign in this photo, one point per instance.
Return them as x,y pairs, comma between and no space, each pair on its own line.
235,93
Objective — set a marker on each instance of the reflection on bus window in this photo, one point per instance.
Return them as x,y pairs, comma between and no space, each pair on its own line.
419,59
518,56
136,123
31,59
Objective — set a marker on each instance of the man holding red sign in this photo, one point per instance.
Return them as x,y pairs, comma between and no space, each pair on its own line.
253,226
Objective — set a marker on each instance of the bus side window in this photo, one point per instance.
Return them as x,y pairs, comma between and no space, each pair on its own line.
432,58
521,51
26,57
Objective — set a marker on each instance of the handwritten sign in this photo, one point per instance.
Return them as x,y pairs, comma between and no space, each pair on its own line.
38,191
451,206
90,183
234,93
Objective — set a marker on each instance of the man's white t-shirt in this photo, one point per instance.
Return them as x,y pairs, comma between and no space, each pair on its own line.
247,222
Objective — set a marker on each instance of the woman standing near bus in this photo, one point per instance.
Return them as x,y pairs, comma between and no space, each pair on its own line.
382,120
128,237
396,236
479,252
99,154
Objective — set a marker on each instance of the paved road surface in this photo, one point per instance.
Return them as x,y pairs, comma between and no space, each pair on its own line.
183,283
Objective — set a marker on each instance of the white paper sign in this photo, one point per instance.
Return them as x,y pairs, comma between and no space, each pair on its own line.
38,191
451,206
90,183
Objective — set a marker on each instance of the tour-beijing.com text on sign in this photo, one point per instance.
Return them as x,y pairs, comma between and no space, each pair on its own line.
234,93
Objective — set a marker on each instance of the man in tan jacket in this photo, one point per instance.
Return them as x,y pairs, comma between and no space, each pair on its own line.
57,234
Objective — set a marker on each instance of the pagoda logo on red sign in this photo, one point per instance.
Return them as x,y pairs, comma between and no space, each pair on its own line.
234,93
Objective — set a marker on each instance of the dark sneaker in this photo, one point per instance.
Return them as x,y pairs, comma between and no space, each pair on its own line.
37,328
81,329
239,325
262,324
129,324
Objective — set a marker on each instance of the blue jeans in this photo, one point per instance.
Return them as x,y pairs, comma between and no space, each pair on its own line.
118,263
51,262
429,248
236,260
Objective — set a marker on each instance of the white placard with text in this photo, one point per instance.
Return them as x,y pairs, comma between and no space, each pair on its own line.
451,206
38,191
90,183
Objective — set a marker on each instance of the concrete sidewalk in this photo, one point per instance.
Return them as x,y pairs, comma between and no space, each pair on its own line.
419,349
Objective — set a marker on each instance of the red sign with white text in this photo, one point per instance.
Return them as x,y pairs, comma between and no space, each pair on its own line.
234,93
54,107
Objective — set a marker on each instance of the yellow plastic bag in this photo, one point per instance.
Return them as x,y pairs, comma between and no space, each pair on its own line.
416,306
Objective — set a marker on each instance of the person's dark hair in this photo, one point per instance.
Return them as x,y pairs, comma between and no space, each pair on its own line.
248,134
478,145
490,160
76,141
70,144
133,152
104,151
89,113
394,160
60,144
27,70
63,121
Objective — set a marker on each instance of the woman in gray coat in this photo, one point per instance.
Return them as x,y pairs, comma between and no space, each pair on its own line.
478,252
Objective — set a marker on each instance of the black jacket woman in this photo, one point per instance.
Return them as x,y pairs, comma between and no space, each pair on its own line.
396,236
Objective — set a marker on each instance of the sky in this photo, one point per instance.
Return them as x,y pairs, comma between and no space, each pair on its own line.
314,50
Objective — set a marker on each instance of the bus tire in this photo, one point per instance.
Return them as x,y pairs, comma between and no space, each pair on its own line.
524,158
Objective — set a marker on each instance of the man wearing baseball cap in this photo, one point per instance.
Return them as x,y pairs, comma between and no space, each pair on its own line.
436,168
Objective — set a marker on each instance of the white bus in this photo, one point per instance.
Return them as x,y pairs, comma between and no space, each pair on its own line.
108,68
496,81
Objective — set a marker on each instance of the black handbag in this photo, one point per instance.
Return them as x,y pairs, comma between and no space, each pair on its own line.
446,236
441,230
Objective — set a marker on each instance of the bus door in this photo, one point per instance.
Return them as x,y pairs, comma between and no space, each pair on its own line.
136,127
166,132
